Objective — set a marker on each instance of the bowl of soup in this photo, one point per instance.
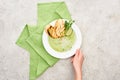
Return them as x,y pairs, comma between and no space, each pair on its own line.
61,38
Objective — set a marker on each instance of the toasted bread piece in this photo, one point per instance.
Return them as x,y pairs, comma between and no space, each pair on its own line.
56,31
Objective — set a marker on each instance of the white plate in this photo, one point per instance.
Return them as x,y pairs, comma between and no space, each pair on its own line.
65,54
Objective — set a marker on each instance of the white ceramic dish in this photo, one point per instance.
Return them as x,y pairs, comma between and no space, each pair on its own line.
65,54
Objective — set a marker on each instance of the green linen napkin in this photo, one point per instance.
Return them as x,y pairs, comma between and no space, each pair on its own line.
35,59
31,37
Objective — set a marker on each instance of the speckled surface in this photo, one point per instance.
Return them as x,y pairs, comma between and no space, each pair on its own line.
99,21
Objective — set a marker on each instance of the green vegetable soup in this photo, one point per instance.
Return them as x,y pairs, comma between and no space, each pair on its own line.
62,44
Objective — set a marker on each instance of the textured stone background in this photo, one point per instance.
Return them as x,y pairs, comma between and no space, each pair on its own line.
99,21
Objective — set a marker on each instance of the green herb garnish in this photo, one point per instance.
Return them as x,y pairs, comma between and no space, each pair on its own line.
68,24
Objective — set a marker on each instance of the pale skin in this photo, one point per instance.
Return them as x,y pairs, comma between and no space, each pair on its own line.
77,62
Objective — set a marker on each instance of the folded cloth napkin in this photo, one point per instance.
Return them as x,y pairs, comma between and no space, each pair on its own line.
31,37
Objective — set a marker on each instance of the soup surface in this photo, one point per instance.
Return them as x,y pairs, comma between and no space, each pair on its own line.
62,44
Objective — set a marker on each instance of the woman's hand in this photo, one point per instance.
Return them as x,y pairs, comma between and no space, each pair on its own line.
77,62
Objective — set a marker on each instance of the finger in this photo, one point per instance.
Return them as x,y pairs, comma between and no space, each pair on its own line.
80,54
76,53
72,59
79,51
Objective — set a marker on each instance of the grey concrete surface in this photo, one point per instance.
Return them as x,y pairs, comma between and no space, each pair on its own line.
99,21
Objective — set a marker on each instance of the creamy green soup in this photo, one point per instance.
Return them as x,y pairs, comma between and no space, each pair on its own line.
62,44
